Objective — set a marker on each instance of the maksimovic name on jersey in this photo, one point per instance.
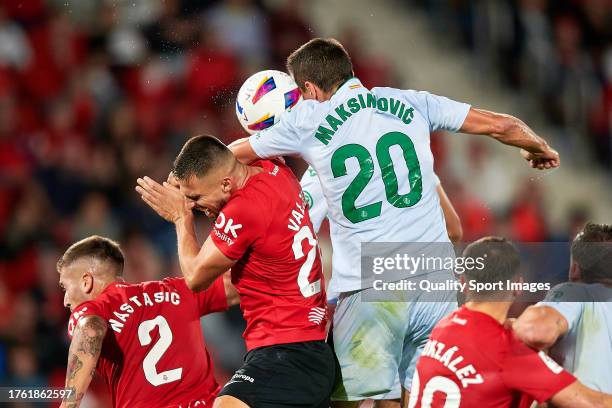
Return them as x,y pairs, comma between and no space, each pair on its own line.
363,101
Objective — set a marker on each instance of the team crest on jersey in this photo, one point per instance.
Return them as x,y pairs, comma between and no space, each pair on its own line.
307,198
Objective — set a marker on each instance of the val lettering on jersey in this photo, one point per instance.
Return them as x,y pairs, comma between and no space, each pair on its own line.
266,227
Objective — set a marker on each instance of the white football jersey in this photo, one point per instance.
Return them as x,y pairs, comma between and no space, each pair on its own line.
317,206
313,192
370,150
586,349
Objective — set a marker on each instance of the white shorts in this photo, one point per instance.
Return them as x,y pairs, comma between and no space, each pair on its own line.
378,343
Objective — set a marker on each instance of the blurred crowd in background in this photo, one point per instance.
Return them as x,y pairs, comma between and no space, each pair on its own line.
558,52
94,94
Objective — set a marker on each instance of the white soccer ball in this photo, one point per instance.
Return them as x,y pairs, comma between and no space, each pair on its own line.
263,98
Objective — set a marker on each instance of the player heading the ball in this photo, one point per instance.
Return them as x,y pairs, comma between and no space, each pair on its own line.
370,149
262,231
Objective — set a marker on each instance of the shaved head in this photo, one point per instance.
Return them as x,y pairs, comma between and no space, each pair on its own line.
87,267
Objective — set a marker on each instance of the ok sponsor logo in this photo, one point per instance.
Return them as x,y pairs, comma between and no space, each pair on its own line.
228,226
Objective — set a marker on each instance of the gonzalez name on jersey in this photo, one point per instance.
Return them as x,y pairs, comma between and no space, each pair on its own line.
471,360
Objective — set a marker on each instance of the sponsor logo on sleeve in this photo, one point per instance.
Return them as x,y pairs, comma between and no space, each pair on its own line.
226,229
550,363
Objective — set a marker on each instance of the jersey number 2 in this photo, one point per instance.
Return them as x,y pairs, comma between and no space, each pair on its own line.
157,351
307,288
366,171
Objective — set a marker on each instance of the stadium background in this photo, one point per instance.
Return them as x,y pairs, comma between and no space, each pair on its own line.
94,94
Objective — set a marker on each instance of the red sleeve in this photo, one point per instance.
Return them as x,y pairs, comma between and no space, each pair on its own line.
207,301
238,227
534,373
212,299
84,309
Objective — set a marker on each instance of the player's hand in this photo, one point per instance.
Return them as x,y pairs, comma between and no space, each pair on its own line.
166,199
549,159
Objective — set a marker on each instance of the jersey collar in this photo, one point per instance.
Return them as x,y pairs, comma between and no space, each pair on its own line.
347,86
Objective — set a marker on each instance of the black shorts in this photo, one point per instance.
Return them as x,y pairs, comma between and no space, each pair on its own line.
285,375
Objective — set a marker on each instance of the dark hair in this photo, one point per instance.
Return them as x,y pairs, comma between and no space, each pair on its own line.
97,247
592,252
322,61
200,155
500,260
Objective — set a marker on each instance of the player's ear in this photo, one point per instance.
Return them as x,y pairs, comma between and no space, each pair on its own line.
226,185
87,282
309,91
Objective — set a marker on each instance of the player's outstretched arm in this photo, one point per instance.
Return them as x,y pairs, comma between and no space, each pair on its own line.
243,151
540,326
577,395
453,222
83,357
514,132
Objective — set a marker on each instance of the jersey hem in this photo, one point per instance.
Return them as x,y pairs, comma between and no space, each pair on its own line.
251,345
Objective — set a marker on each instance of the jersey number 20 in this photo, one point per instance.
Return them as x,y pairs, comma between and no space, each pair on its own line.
157,351
366,171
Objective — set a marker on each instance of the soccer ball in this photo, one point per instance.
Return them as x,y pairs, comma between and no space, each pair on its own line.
263,98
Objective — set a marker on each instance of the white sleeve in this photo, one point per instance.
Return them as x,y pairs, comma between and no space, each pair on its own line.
436,179
441,112
317,206
563,298
285,137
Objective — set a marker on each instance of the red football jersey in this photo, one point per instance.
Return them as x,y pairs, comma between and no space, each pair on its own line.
153,354
266,227
471,360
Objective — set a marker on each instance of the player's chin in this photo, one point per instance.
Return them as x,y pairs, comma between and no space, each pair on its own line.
210,214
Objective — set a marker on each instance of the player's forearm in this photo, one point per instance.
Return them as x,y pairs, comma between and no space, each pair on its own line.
577,395
453,222
198,264
83,357
516,133
188,249
540,327
243,151
504,128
